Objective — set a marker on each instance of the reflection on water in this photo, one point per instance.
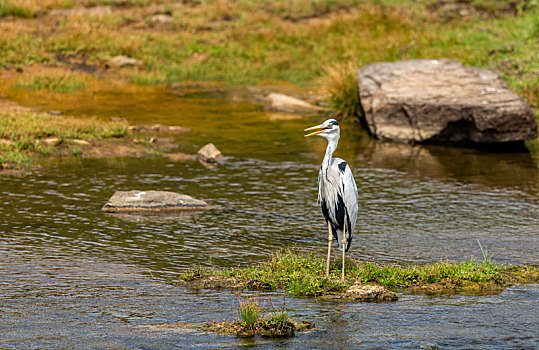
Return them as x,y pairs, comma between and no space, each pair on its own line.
65,263
503,170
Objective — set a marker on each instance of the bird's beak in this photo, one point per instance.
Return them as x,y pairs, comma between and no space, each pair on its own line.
319,128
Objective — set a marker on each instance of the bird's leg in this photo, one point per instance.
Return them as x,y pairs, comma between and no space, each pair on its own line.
330,240
343,250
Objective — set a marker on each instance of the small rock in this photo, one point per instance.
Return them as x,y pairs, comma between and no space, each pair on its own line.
369,293
177,129
181,157
80,142
210,154
288,104
125,201
55,112
161,19
303,325
52,141
124,61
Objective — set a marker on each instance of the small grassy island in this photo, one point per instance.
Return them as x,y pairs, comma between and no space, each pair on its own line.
304,275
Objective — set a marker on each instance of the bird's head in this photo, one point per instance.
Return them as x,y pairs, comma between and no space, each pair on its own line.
328,130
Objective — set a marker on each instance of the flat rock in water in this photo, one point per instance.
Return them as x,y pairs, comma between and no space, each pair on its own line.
288,104
444,102
140,201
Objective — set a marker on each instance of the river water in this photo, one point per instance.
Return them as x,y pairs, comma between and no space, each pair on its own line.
74,277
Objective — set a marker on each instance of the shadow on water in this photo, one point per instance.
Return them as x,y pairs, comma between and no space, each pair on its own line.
66,263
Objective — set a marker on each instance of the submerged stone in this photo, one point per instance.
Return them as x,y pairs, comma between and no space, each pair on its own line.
129,201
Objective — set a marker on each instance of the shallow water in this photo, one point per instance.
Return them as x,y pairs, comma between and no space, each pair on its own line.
74,277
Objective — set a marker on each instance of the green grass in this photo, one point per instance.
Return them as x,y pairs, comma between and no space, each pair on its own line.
304,274
8,8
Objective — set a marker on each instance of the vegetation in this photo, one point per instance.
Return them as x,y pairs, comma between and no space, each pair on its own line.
250,42
7,8
23,134
248,312
251,322
341,86
54,81
304,275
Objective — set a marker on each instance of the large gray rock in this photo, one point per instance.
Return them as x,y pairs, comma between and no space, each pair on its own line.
440,101
129,201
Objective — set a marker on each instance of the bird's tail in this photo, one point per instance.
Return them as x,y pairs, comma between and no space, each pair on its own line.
337,235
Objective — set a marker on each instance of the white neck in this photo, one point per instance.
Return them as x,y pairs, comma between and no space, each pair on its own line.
332,146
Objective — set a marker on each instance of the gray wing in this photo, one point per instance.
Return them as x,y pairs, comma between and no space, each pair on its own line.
338,197
348,188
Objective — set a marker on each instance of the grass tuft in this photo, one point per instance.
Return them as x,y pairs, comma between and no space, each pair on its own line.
249,312
54,81
7,8
342,88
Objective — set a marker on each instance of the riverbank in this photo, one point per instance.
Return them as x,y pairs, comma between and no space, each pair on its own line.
304,275
242,42
26,135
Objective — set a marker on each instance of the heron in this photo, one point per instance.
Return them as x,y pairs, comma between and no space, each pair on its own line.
337,192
